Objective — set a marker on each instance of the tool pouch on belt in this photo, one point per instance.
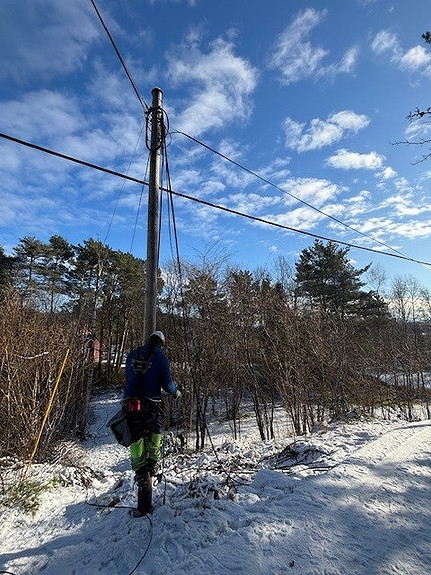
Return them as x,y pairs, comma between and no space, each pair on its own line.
120,427
144,416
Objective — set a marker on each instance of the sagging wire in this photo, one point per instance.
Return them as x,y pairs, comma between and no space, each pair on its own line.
213,150
280,189
186,324
210,204
123,184
139,208
142,102
148,546
101,506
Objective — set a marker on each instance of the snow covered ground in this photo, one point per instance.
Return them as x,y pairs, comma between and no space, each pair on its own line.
352,498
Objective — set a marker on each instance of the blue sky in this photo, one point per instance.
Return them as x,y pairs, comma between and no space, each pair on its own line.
310,95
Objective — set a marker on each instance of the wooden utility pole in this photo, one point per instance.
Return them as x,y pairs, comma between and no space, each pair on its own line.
153,214
145,486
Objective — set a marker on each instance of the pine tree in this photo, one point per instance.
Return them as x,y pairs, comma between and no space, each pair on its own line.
326,280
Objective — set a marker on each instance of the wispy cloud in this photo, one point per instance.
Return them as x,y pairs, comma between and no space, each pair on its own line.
60,121
359,204
296,57
346,160
386,226
304,217
405,205
314,191
416,59
33,45
251,204
220,84
387,173
322,133
42,113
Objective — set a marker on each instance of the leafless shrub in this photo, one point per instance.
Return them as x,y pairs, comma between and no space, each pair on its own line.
32,352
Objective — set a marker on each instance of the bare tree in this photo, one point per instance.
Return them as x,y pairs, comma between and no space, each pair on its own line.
419,123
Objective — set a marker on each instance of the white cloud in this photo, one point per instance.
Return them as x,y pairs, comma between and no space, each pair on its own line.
322,132
311,190
110,90
405,205
276,171
50,37
359,204
416,59
411,229
384,42
225,171
296,57
301,218
304,217
349,120
403,185
319,134
220,82
42,113
251,204
345,66
346,160
56,120
417,130
387,173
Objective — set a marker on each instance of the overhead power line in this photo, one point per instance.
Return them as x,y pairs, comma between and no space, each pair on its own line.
290,229
72,159
206,203
143,103
242,167
268,182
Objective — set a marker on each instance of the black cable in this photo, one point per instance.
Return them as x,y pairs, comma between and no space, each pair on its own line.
142,102
205,203
159,144
72,159
104,506
186,322
290,229
124,507
266,181
148,546
122,186
139,208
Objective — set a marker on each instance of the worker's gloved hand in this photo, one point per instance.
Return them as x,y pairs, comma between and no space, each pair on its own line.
178,394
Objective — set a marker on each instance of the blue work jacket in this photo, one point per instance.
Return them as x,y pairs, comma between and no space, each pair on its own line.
147,376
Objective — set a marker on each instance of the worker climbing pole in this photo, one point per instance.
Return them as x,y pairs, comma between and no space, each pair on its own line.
138,424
